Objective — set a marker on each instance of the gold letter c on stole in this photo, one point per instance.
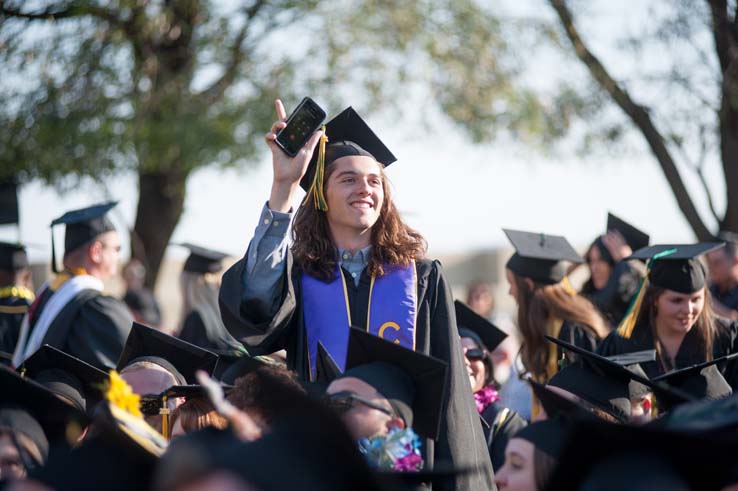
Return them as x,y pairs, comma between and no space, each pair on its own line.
391,325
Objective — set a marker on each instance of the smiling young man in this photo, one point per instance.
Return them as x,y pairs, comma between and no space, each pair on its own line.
352,262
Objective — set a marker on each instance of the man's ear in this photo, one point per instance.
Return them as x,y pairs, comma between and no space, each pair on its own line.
94,253
530,283
395,423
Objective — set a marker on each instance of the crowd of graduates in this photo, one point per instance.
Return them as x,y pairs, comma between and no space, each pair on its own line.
333,354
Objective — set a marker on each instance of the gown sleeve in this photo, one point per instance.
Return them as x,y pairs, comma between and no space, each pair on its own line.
461,440
99,331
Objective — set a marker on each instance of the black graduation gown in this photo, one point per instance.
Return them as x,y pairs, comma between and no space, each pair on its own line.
502,424
689,353
614,298
92,326
461,441
12,310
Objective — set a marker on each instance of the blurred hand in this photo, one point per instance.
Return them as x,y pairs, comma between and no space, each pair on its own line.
616,245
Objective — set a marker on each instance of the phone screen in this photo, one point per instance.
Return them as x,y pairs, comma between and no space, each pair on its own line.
300,126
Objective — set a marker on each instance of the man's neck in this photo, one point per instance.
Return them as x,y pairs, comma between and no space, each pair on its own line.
351,240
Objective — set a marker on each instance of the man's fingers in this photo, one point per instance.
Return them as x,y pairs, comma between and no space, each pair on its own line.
281,113
313,141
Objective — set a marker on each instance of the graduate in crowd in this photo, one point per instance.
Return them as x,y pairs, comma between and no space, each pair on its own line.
389,394
531,456
673,315
478,337
152,362
15,295
201,324
139,299
71,312
353,261
614,279
723,267
547,305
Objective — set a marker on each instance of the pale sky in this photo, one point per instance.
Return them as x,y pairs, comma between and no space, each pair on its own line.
458,195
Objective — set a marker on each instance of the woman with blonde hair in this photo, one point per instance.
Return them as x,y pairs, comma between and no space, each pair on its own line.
547,304
201,323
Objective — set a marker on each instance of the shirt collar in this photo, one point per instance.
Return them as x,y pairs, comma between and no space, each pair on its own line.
361,256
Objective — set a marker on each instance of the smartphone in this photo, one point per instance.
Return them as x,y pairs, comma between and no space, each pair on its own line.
302,123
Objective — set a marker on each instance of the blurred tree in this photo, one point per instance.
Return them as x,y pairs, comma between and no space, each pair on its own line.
165,87
683,101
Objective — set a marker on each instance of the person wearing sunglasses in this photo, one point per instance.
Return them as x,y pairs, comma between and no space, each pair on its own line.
479,338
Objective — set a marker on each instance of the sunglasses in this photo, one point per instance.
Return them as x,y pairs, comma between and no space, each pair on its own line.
475,354
341,402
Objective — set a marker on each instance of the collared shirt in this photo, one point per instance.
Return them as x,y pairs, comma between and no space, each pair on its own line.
266,258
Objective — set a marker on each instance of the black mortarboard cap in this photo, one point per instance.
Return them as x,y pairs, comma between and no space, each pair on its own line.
145,343
540,257
703,463
617,376
151,404
66,375
675,266
413,383
55,416
707,416
703,380
202,260
483,330
144,304
348,135
635,238
242,367
556,405
548,436
326,368
13,256
643,356
83,225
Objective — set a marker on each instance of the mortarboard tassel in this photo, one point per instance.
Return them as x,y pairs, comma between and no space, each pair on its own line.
625,329
316,188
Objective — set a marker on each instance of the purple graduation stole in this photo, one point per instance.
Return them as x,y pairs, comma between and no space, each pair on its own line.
391,315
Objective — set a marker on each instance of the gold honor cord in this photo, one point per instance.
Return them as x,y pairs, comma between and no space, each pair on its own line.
627,325
316,188
17,292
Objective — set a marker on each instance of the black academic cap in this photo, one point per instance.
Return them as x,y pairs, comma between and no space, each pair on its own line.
83,225
147,344
58,419
326,368
413,383
703,380
151,404
548,436
242,367
348,135
13,256
635,238
706,416
556,405
602,380
675,266
119,453
703,463
474,326
66,375
540,257
143,303
202,260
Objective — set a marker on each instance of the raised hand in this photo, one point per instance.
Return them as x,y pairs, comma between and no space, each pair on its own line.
288,171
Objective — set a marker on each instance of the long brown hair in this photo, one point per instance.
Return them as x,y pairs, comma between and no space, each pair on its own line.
705,325
537,305
393,242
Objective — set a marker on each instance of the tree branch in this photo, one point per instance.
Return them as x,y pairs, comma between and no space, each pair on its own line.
59,12
217,89
638,115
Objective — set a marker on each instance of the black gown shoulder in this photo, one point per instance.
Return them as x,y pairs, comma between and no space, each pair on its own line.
502,424
12,310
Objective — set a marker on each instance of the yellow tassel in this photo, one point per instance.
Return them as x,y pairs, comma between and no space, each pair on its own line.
120,394
567,286
625,329
316,188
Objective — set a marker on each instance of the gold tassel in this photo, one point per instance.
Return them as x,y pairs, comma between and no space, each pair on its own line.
316,188
625,329
567,287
